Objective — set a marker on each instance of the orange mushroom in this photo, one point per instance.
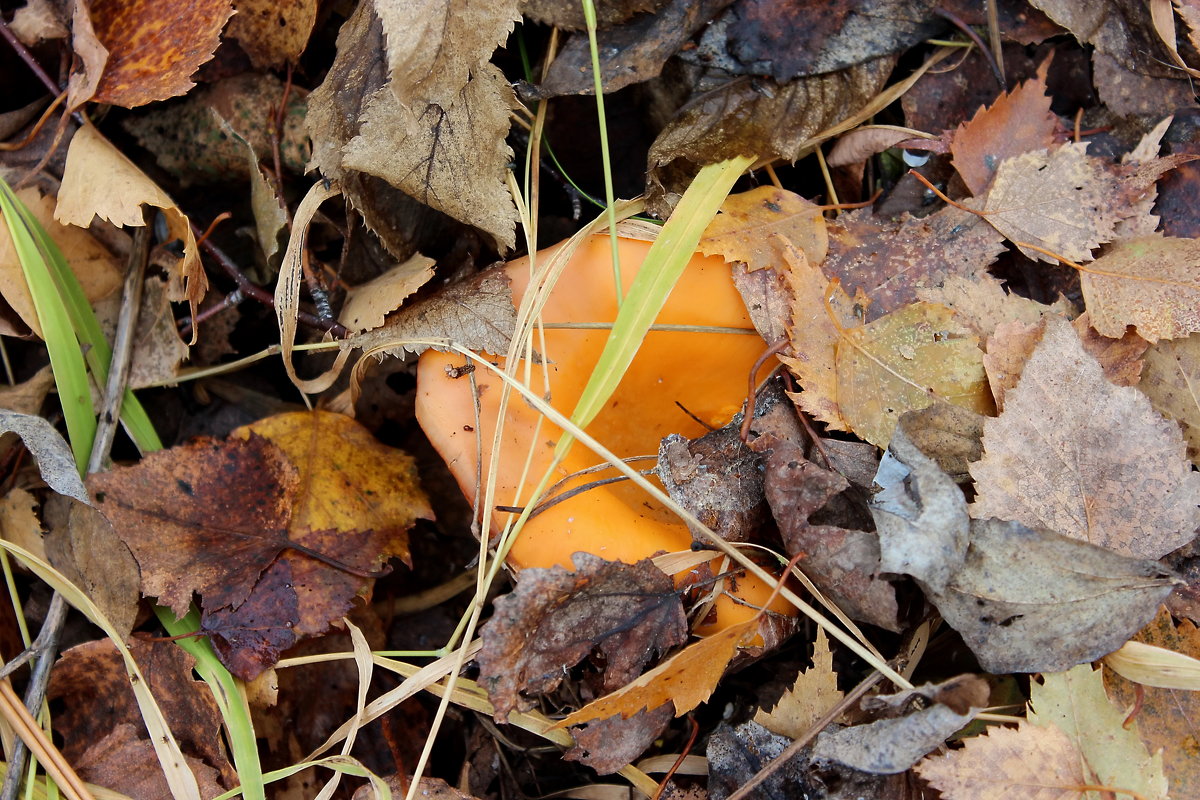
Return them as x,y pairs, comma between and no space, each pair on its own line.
676,378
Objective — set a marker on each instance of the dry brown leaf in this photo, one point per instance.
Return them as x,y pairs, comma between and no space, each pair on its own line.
98,271
745,227
1064,201
1171,379
272,32
1018,122
1029,761
1008,348
1121,358
861,143
891,261
555,617
1074,454
905,362
1168,719
686,679
812,694
37,21
368,305
158,351
1152,283
126,763
982,303
153,48
99,181
18,522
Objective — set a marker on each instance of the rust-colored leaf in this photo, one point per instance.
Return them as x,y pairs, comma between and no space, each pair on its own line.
273,32
153,48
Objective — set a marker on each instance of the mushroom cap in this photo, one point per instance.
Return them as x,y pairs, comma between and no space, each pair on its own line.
676,378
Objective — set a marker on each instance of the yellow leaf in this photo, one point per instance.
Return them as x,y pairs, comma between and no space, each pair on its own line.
814,693
748,222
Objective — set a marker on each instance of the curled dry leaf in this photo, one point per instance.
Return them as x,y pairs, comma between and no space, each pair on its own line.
555,617
1077,455
99,181
368,305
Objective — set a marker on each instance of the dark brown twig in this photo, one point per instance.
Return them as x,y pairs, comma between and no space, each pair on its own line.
957,22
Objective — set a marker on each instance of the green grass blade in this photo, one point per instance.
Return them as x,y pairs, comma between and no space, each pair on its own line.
589,16
70,373
664,264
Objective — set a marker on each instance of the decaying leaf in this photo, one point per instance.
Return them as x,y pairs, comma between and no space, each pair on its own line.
744,230
1152,283
889,746
811,696
477,314
1074,454
126,763
276,538
369,304
1166,718
158,352
1113,754
1027,761
685,680
555,617
607,745
153,49
892,261
1023,600
983,304
271,32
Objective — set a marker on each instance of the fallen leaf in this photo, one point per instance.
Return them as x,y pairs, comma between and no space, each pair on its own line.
1166,718
949,435
892,261
1027,761
555,617
272,33
1151,283
277,539
812,694
1170,379
19,523
568,15
790,39
983,304
773,121
906,361
745,227
686,679
1063,200
37,21
477,313
865,141
1018,122
99,181
127,764
1075,702
1121,357
1121,30
607,745
1035,601
158,352
98,271
90,681
153,49
890,746
629,53
1077,455
1008,350
368,304
56,463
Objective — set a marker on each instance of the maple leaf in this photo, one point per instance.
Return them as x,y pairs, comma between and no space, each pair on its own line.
1075,702
556,617
686,679
892,261
745,227
276,551
1029,761
1152,283
149,59
1170,379
1064,201
1077,455
1016,123
812,694
1166,718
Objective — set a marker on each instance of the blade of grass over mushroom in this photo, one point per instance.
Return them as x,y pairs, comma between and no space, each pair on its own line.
66,360
664,264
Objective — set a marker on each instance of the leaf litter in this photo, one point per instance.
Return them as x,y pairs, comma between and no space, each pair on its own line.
1022,356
